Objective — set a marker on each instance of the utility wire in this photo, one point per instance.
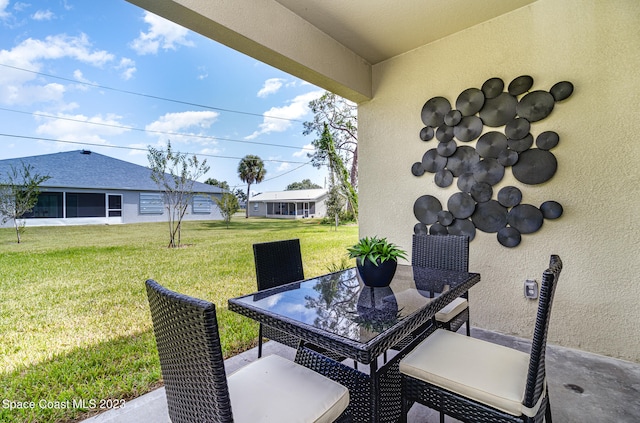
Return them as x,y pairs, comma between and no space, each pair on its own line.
135,148
147,95
131,128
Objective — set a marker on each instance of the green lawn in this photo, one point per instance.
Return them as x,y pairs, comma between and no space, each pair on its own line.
74,317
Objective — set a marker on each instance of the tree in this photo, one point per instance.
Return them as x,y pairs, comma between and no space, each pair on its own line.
251,170
228,205
340,115
175,174
335,203
220,184
242,196
19,195
305,184
338,170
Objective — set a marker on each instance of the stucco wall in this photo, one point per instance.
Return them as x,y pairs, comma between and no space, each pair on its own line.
593,44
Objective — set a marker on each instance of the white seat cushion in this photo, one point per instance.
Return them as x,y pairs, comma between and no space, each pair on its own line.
274,389
482,371
452,309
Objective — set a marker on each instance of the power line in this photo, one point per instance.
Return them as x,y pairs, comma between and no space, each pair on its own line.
110,125
147,95
135,148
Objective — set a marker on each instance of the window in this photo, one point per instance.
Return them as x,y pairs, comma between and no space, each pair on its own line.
81,204
201,204
115,205
151,203
49,205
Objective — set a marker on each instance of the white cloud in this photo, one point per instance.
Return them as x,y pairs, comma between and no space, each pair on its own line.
278,119
306,149
202,73
188,124
283,166
43,15
128,68
19,87
76,128
271,86
162,34
3,9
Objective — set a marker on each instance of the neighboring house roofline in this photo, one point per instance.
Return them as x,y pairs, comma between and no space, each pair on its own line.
290,195
82,169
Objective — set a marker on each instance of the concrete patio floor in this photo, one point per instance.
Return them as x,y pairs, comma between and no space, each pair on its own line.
583,387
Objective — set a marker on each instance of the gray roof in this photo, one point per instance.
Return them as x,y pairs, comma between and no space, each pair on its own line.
89,170
291,195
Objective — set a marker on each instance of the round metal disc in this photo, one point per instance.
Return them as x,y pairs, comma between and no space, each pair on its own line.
547,140
463,160
520,85
490,216
481,192
443,178
470,101
492,87
452,118
499,110
417,169
517,129
420,228
509,237
520,145
427,133
491,144
432,161
434,110
445,218
551,209
561,90
525,218
461,205
508,157
444,133
466,181
489,171
509,196
462,227
469,128
437,229
535,106
426,209
535,166
446,149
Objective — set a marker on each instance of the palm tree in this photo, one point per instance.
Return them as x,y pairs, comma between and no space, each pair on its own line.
251,170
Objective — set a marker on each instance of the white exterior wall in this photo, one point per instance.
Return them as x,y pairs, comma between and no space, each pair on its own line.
130,212
593,44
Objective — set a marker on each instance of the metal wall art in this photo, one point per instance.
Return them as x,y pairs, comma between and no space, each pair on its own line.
479,168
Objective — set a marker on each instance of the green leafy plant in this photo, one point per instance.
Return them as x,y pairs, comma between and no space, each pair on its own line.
376,250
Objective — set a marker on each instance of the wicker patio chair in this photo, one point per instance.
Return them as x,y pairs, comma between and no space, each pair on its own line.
448,252
277,263
269,390
477,381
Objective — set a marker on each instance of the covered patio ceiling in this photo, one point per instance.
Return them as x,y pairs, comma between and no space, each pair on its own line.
330,43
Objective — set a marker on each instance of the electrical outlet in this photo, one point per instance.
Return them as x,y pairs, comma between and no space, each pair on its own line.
531,289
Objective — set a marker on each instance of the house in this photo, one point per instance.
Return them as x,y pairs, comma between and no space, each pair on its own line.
392,57
90,188
293,204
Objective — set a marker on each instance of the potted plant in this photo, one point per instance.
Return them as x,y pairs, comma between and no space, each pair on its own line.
376,259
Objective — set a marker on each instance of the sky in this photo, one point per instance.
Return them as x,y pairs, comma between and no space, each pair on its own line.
114,79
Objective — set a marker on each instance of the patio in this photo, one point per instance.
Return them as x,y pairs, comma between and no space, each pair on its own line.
583,387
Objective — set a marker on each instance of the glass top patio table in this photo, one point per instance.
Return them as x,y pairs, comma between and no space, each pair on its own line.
339,313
